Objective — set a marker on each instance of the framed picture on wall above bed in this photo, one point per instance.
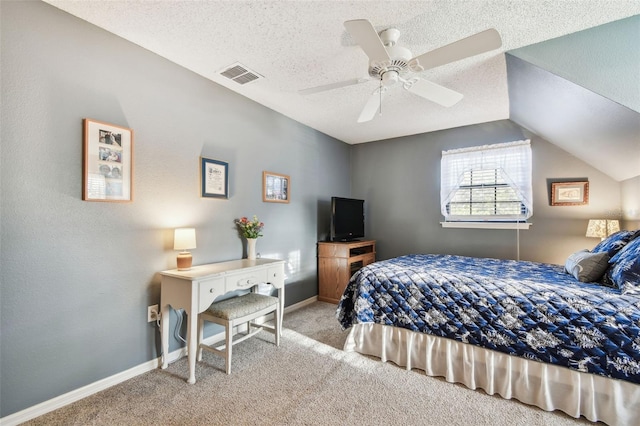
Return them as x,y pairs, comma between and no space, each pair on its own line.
214,176
569,193
275,187
107,169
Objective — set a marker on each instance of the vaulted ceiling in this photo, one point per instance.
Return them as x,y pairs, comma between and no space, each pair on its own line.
582,93
294,45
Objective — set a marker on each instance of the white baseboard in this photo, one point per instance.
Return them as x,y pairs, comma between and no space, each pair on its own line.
301,304
95,387
78,394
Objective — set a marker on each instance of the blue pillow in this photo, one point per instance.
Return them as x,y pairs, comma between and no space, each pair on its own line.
615,242
624,272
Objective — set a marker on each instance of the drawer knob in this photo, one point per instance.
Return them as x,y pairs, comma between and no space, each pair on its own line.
210,290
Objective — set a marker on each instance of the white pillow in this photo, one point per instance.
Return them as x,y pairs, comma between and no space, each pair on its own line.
586,266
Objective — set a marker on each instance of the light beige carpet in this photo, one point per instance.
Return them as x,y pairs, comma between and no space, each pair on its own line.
308,380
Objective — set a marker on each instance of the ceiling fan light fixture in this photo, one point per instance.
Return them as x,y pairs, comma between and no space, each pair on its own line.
389,78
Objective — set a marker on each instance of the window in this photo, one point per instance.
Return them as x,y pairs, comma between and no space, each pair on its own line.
490,183
485,193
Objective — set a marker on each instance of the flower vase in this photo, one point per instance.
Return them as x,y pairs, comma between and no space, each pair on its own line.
251,248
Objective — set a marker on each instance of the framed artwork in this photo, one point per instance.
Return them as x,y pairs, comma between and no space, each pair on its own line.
107,170
569,193
214,176
275,187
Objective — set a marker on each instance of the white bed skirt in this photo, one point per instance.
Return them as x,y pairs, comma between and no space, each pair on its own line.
547,386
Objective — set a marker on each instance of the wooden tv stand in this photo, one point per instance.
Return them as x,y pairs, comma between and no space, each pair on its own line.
337,262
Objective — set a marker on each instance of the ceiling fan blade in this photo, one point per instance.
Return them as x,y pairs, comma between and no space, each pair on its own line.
367,38
372,106
435,93
473,45
332,86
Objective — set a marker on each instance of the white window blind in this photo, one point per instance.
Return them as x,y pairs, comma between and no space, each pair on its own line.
487,183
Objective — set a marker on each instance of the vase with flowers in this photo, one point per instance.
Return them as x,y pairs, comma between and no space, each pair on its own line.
251,230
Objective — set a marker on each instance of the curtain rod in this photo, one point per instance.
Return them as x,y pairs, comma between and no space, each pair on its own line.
487,147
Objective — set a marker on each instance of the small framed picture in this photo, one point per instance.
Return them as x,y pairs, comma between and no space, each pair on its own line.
214,176
275,187
569,193
107,170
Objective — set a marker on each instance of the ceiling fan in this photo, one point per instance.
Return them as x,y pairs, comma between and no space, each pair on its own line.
392,64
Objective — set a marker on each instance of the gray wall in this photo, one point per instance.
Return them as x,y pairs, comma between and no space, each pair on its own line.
400,182
76,276
631,202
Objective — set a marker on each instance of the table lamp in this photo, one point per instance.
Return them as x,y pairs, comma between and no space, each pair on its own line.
184,239
602,228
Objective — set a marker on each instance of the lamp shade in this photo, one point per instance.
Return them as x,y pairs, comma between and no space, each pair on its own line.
597,228
602,228
184,239
613,226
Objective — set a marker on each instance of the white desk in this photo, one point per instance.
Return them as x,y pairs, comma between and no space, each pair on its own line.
194,291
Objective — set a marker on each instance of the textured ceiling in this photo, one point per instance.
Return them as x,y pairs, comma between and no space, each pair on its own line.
301,44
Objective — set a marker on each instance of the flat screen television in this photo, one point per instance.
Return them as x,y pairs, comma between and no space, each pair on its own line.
347,219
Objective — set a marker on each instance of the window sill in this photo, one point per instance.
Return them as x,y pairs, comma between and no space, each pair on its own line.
487,225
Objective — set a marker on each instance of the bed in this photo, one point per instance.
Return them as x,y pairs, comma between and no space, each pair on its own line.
525,330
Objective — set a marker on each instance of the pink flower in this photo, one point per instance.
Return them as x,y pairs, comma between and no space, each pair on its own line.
250,228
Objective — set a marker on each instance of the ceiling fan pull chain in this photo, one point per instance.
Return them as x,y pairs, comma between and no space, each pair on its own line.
380,93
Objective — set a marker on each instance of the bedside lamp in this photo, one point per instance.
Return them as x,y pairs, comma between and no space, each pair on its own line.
602,228
184,239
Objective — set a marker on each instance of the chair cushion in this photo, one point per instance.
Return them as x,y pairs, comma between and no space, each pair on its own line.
241,306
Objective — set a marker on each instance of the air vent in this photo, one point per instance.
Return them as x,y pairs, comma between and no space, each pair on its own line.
240,74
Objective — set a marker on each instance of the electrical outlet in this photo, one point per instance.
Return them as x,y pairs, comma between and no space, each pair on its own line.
152,313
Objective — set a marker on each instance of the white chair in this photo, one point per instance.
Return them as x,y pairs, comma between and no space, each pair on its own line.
236,311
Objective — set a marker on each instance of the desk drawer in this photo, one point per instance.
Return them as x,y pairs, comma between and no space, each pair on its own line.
246,280
208,291
275,276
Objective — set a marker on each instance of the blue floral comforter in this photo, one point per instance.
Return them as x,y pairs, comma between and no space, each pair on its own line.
528,309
